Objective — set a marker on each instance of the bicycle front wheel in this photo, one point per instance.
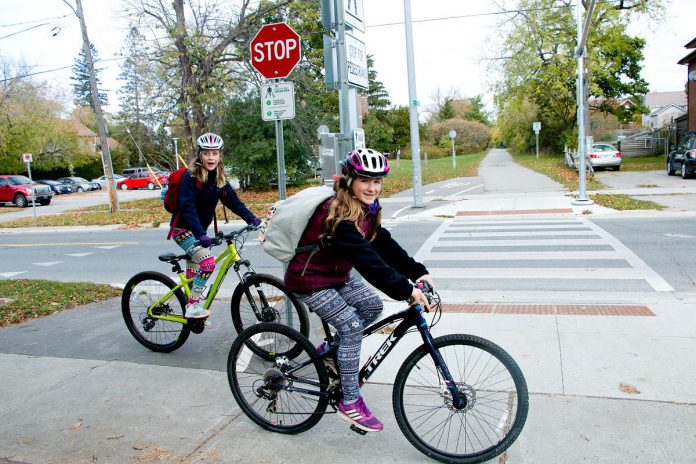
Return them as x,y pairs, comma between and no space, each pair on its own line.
140,293
278,392
263,298
496,400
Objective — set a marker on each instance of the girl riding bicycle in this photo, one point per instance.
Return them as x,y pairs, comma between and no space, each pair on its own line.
202,186
348,226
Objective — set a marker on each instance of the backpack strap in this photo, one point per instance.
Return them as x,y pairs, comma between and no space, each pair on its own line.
313,250
174,221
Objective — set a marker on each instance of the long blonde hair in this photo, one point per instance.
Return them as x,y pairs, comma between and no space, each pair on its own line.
200,173
347,208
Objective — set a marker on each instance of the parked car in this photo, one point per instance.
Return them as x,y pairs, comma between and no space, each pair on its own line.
57,187
130,171
102,180
605,155
20,191
79,184
143,180
683,157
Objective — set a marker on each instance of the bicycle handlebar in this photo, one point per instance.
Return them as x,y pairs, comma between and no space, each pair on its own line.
223,237
427,290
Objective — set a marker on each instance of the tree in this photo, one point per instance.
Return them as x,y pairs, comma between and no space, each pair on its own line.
80,78
377,95
201,46
539,66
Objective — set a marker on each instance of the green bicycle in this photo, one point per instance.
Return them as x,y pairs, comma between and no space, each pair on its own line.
154,306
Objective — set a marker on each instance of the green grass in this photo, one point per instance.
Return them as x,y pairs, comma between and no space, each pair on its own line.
623,202
553,166
34,298
644,163
436,170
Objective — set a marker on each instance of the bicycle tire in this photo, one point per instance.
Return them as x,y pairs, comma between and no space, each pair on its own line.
250,377
140,292
435,427
269,296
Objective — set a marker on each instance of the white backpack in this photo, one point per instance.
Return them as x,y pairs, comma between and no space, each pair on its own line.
287,220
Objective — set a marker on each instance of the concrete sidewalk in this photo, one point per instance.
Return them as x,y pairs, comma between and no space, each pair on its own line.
602,389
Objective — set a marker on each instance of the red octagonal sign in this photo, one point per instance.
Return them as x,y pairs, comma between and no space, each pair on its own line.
275,50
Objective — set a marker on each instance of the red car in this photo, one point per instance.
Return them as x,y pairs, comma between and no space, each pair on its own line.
20,191
142,180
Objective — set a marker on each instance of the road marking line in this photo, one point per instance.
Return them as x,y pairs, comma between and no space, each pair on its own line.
538,273
48,263
108,247
519,243
7,275
652,277
79,255
448,197
429,191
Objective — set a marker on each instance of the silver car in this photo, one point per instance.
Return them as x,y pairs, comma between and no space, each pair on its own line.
102,180
604,155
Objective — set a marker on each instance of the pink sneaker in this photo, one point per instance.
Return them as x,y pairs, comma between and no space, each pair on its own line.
358,414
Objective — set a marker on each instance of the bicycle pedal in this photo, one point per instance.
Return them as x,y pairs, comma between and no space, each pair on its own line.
357,430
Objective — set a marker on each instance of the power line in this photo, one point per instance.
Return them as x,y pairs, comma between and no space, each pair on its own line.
22,76
34,21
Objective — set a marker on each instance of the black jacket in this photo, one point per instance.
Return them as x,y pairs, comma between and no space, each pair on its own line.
197,205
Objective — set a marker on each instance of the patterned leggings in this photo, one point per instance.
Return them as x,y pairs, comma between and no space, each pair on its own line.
201,263
349,309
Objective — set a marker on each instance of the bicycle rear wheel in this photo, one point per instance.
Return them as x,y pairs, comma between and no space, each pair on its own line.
272,389
495,390
263,298
140,293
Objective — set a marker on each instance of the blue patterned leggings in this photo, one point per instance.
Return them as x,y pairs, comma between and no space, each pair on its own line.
349,309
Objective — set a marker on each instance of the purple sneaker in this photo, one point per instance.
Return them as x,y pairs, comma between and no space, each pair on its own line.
358,414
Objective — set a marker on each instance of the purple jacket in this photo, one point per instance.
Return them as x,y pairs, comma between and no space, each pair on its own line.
382,262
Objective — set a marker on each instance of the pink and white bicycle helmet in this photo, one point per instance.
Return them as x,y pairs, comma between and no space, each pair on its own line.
209,141
366,163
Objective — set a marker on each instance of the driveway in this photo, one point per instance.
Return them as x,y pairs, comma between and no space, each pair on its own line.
673,192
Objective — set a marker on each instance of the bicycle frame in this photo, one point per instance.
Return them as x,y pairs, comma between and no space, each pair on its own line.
230,257
409,317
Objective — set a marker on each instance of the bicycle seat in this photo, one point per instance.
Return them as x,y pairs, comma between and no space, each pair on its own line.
171,257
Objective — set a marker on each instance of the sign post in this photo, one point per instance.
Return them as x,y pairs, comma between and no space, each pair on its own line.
275,51
536,125
27,158
452,134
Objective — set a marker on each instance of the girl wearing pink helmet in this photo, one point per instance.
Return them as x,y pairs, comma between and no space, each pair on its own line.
348,226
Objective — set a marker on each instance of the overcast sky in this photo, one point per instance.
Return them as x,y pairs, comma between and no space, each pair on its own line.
449,53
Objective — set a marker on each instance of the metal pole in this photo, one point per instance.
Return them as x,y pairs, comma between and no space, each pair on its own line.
580,91
413,111
348,120
537,145
454,160
280,150
176,151
33,191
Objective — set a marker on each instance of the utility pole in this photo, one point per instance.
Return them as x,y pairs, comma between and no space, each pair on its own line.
413,111
105,154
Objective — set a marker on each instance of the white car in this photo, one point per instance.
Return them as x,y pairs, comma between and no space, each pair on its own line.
604,155
102,180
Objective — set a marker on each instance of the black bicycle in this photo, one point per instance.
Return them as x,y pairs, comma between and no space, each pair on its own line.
457,398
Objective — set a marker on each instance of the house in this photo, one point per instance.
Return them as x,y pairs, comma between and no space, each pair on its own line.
88,138
690,61
664,108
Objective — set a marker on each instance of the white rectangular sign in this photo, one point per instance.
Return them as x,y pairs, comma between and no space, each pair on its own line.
356,56
27,158
359,138
353,14
277,101
536,126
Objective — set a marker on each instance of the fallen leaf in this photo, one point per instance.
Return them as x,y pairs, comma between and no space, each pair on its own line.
626,388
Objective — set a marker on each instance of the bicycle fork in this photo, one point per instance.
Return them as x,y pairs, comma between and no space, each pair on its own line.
459,400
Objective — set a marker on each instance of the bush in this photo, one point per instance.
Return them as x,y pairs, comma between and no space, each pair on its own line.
472,136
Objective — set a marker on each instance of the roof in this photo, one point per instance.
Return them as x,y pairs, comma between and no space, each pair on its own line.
660,99
688,58
666,107
691,44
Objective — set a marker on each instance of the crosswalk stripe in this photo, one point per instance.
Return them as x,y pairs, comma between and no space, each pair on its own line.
536,273
7,275
501,243
48,263
529,233
79,255
525,255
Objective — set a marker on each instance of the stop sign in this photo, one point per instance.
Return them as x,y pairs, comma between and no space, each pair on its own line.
275,50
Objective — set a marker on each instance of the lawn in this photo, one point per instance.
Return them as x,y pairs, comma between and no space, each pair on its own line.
34,298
